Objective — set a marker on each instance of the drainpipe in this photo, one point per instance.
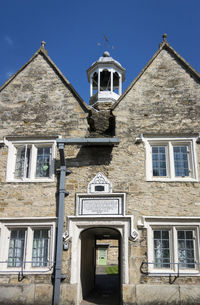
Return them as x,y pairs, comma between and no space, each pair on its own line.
62,194
59,244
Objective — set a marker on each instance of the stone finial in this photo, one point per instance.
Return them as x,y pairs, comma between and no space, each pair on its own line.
43,43
164,36
106,54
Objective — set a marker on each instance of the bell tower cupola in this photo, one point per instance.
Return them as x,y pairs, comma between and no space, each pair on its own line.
105,77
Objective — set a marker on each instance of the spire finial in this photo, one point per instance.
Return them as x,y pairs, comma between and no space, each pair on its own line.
164,36
43,43
106,54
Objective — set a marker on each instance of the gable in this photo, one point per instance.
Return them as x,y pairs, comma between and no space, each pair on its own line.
164,98
39,100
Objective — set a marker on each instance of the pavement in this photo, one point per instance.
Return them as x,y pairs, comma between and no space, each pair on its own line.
106,290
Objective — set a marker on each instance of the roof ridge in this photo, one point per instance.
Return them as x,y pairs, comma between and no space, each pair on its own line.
44,52
164,44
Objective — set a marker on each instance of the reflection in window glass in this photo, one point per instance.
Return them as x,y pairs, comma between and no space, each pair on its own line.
22,164
43,162
181,161
40,248
159,161
16,248
161,249
186,249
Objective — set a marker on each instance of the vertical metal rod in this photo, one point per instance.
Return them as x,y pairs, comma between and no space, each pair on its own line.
60,222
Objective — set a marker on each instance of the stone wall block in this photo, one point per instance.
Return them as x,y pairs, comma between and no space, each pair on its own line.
15,295
43,294
157,295
190,294
129,294
68,294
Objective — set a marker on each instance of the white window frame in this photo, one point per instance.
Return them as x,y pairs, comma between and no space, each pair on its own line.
6,225
171,142
173,224
34,144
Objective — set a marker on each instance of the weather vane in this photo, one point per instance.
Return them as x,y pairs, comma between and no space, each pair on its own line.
106,43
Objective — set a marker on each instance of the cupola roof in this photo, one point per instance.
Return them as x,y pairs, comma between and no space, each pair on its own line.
107,60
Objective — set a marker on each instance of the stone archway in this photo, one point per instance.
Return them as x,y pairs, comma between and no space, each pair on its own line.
76,225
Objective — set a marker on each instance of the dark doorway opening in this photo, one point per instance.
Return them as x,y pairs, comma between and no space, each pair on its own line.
100,266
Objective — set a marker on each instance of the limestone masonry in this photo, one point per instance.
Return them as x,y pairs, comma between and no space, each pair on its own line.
133,191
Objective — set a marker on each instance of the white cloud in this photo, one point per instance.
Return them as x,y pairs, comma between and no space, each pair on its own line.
9,41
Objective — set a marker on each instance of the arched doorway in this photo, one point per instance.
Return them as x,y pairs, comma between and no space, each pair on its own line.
100,269
79,224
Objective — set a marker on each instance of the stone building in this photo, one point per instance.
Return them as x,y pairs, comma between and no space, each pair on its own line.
126,168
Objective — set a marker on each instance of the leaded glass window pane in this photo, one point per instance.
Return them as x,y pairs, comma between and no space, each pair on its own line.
186,249
19,165
181,161
43,162
161,249
22,164
159,161
40,248
16,248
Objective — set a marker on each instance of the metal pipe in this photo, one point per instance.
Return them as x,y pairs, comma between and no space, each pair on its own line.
60,222
62,193
89,141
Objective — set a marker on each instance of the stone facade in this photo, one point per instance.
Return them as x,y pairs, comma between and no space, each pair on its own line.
38,102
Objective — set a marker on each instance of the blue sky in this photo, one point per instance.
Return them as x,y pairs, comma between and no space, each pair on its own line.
73,29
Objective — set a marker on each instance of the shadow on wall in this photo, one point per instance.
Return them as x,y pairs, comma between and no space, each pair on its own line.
91,155
101,123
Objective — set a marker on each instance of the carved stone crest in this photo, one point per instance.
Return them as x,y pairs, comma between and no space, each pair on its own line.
99,184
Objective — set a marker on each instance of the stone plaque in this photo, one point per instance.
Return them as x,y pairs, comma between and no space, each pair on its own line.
100,206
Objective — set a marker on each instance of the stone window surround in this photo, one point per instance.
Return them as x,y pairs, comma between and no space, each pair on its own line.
12,158
173,224
169,142
6,224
